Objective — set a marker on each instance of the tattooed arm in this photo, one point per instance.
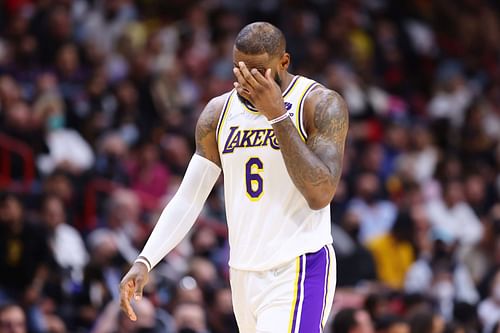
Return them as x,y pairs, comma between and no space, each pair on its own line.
206,144
315,166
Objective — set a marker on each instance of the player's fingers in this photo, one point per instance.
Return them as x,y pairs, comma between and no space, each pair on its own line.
126,288
241,90
247,75
269,77
259,77
239,77
139,286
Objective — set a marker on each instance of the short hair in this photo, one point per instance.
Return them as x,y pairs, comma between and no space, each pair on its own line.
421,321
388,321
4,307
259,38
345,320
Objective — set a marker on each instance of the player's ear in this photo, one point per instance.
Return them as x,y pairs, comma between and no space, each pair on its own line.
285,61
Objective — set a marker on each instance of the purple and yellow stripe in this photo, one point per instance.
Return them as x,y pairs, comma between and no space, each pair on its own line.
311,292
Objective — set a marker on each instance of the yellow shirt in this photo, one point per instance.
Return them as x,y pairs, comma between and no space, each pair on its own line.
392,259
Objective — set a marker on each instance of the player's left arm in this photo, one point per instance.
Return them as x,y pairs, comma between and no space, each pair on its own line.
315,165
326,119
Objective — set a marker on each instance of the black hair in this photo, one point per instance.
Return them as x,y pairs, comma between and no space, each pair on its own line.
345,320
6,196
403,228
421,322
259,38
388,321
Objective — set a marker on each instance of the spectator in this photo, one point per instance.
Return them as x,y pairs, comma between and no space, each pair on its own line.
149,177
426,322
12,319
392,268
24,254
352,320
67,149
489,309
127,120
454,216
349,249
101,276
190,317
442,275
65,242
220,316
420,163
123,222
392,324
112,152
376,215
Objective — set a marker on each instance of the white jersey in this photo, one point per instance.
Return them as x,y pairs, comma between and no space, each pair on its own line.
269,220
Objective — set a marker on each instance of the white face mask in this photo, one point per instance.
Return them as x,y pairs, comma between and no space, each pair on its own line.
444,290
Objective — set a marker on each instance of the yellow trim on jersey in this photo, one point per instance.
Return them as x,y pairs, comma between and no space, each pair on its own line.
223,117
245,106
295,291
292,85
298,116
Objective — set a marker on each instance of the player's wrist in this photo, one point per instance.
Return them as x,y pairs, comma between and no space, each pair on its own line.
278,115
279,119
143,261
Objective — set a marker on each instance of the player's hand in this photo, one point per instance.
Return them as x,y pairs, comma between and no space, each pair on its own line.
261,90
132,285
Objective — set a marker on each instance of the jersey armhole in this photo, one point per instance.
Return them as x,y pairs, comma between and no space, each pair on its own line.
300,120
223,114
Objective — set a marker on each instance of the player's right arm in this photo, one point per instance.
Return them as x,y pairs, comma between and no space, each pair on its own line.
182,211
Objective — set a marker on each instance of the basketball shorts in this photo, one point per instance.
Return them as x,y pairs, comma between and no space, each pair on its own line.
295,298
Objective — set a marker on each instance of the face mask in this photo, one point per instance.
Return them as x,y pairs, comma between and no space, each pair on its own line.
444,290
55,122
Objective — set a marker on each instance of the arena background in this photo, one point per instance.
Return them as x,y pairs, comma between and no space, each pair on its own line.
98,103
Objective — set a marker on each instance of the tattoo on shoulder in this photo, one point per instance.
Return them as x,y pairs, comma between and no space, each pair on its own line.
330,122
206,126
331,118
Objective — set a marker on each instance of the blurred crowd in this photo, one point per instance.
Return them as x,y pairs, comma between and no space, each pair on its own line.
98,104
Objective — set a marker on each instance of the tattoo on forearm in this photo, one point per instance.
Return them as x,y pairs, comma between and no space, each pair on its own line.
303,166
318,163
332,121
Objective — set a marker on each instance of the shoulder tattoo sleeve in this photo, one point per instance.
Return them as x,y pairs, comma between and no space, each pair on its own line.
328,129
206,144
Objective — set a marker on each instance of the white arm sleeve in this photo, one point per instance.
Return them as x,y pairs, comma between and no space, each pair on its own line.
182,211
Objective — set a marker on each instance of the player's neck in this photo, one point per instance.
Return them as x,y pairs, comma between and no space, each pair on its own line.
286,81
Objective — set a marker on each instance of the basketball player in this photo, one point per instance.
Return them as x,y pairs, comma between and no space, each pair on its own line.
279,140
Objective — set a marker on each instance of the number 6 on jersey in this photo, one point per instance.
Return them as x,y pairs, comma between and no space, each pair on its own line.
254,182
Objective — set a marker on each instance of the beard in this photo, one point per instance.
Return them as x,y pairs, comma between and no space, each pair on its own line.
277,79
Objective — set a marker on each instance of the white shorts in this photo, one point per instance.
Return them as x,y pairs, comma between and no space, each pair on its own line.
295,298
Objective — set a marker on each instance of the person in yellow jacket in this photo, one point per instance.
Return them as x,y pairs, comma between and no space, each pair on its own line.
394,252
